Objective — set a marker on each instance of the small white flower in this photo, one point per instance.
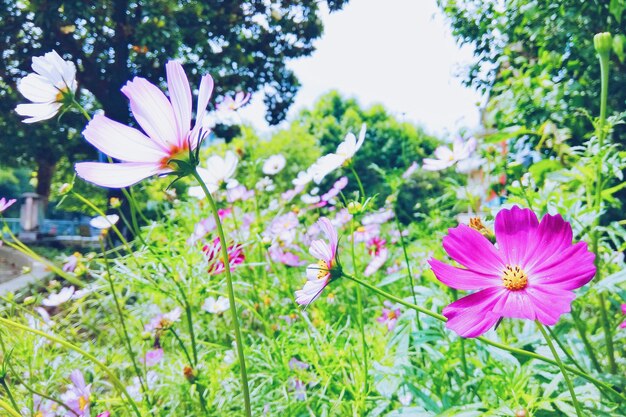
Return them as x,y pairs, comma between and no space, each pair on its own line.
303,178
56,299
104,222
219,172
47,88
213,306
265,184
345,151
274,164
446,157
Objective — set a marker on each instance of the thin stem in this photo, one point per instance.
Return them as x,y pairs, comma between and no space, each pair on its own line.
601,132
495,344
359,301
116,382
8,409
358,181
129,345
182,346
564,349
409,271
579,412
8,391
81,109
231,295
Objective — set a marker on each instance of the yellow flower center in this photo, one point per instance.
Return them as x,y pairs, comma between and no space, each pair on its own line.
61,94
39,414
324,269
361,229
514,278
181,153
82,403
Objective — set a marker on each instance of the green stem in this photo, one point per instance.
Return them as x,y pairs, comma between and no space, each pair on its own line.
358,181
8,409
129,345
579,412
408,268
231,295
564,349
498,345
182,346
8,391
601,135
81,109
116,382
359,301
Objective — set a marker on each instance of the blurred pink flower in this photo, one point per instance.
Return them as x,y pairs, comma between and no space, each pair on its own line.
238,193
379,217
389,316
152,357
105,414
278,254
337,187
407,174
71,262
163,321
167,126
530,275
366,232
325,269
5,204
213,252
623,324
376,248
294,363
78,394
446,157
232,104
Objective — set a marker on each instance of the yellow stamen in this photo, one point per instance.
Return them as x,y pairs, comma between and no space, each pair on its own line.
514,278
324,269
82,403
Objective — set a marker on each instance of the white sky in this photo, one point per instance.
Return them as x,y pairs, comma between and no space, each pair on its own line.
396,52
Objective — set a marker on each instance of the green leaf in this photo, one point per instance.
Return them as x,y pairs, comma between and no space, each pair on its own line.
616,7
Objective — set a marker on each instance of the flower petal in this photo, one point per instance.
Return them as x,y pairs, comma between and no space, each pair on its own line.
472,250
568,270
180,96
37,111
321,250
116,175
463,279
37,89
153,111
471,316
122,142
311,290
550,303
515,231
329,230
553,236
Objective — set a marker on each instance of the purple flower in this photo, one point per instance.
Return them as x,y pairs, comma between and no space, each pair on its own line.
163,321
152,357
389,316
623,324
5,204
78,394
232,104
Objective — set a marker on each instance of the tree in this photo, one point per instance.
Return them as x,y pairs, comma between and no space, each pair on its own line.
244,44
536,60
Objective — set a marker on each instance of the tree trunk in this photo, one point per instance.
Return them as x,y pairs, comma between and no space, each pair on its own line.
45,171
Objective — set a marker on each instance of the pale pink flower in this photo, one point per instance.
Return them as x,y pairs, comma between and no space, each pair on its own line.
71,262
213,252
216,306
41,407
294,364
379,217
377,261
5,204
366,232
238,193
78,394
283,228
337,187
53,83
407,174
342,218
389,316
623,324
446,157
231,104
201,229
104,414
530,275
163,321
167,126
325,269
278,254
152,357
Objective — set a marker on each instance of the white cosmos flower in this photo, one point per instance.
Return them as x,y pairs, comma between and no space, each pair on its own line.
303,178
446,157
344,153
219,172
104,222
47,88
56,299
211,305
274,164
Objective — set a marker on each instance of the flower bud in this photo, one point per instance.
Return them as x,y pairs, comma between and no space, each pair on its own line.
29,300
115,202
354,207
65,188
190,373
603,43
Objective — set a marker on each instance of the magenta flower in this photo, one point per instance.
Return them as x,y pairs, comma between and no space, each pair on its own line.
623,324
213,252
167,126
5,204
325,269
389,316
152,357
530,275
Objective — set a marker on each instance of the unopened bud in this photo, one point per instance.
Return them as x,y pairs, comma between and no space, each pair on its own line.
477,224
603,43
29,300
115,202
65,188
190,373
354,207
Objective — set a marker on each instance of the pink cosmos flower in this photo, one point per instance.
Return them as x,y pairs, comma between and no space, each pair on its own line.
166,123
152,357
325,269
230,103
163,321
376,248
238,193
104,414
339,185
531,274
446,157
279,254
389,316
5,204
213,252
623,324
78,394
